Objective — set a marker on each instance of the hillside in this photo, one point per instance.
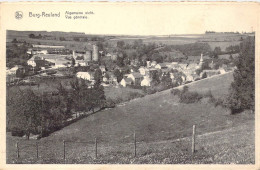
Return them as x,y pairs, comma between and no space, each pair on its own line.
156,118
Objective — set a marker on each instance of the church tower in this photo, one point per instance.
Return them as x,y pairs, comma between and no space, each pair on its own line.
201,61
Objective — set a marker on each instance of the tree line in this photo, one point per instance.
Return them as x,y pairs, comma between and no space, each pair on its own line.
42,113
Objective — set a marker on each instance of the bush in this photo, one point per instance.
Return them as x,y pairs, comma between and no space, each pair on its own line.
190,97
186,96
176,92
17,132
110,103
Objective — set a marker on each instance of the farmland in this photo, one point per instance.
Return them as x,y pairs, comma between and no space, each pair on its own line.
214,40
157,120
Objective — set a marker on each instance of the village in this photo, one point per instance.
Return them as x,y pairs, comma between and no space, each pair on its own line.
107,90
47,60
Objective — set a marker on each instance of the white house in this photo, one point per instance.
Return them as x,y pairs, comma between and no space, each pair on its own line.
126,81
136,77
222,71
146,81
153,63
148,64
85,75
143,70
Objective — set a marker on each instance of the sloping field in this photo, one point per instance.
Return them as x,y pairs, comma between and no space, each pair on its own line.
218,85
155,118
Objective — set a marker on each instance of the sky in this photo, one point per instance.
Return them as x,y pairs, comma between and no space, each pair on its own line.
136,18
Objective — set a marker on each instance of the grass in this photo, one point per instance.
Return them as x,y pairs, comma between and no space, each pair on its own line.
122,93
155,118
218,85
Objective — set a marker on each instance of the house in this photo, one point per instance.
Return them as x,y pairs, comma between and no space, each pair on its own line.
209,73
153,63
143,71
195,77
192,66
113,80
161,66
148,64
111,56
152,71
32,60
103,69
146,81
165,71
189,78
15,69
222,71
212,65
183,66
81,63
126,82
85,75
136,77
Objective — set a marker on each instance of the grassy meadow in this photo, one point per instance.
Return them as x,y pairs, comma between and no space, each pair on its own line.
163,127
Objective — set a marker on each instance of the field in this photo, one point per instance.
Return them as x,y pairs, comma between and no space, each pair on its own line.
158,120
218,85
122,93
214,40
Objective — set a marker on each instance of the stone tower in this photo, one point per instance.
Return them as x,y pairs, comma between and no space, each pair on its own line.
201,61
95,53
88,56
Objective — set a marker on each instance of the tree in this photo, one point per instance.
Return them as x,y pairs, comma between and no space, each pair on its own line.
166,80
73,61
216,52
98,77
39,36
107,76
23,109
76,38
231,57
120,61
155,77
120,44
14,40
137,43
118,74
242,90
31,36
62,39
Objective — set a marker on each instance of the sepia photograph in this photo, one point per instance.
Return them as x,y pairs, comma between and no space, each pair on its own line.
102,83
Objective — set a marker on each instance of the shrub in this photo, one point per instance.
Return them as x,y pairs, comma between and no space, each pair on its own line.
17,132
110,103
186,96
176,92
190,97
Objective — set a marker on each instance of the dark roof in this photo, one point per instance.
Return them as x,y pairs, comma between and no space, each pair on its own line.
128,80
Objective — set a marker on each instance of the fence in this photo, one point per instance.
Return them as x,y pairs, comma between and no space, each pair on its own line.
82,151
